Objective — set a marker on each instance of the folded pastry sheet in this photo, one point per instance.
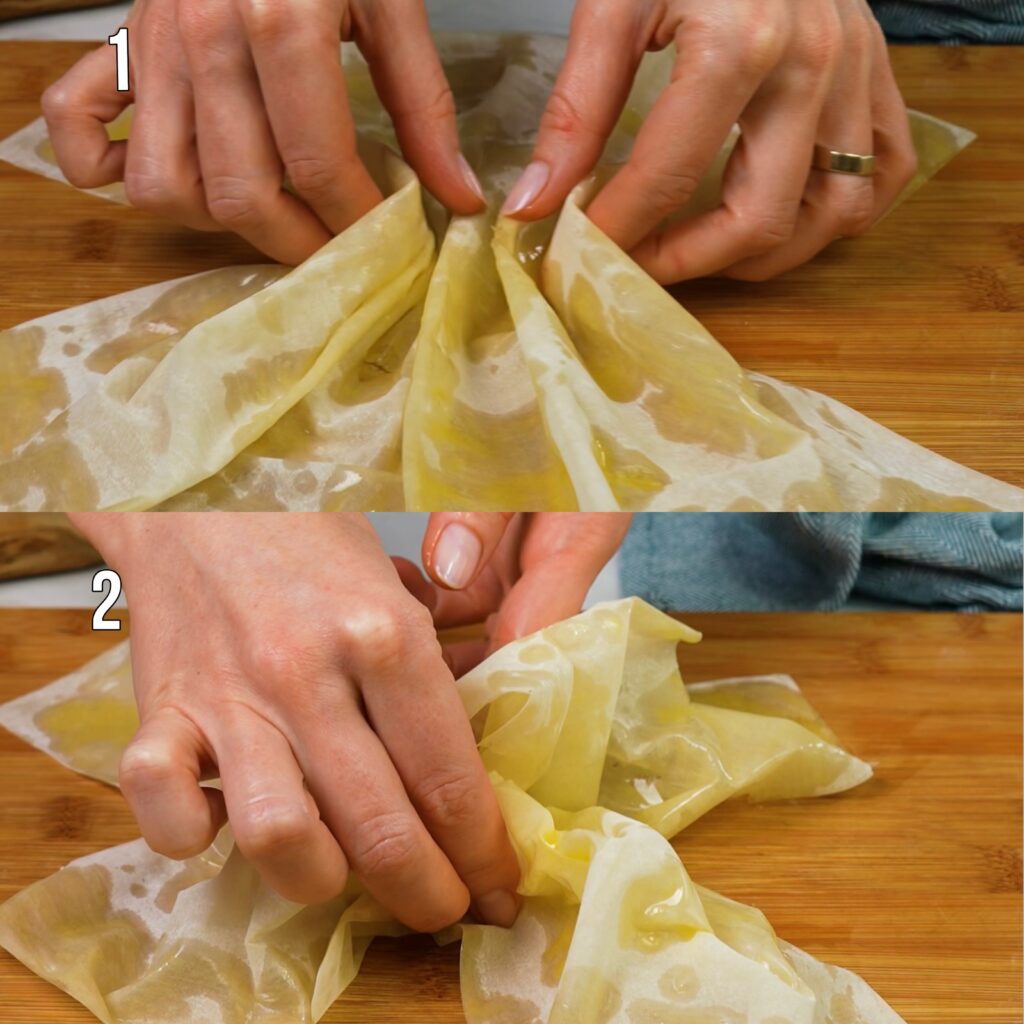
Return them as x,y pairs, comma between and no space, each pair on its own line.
598,754
425,363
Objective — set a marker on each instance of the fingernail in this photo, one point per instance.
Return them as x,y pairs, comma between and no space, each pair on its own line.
530,185
470,178
456,555
498,907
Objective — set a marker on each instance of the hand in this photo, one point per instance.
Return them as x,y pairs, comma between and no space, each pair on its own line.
792,75
233,96
516,573
281,653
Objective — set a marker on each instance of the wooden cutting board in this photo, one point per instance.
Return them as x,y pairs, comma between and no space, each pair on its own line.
36,543
912,880
918,325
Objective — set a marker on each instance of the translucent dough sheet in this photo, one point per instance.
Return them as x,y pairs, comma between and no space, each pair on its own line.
598,754
421,363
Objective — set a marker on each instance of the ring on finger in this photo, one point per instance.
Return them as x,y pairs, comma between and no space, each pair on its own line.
836,162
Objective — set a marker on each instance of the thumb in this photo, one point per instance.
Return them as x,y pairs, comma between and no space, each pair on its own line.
587,99
457,545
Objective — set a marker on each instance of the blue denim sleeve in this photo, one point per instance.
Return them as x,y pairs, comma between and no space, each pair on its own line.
953,22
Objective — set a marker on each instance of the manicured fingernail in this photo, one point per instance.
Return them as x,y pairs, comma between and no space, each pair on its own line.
470,178
498,907
456,555
530,185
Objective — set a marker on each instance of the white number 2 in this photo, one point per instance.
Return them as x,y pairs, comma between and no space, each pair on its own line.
108,580
119,40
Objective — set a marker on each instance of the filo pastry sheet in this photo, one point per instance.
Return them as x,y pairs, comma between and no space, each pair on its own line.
598,754
422,362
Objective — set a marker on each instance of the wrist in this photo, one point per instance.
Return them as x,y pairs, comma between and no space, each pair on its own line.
117,536
109,532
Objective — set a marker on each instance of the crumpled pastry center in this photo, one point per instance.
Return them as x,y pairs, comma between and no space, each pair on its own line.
598,753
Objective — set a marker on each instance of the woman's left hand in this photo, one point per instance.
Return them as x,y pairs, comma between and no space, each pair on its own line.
516,573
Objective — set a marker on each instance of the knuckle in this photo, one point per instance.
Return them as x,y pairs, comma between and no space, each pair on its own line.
756,48
437,105
264,830
313,177
383,636
856,37
823,43
372,627
764,229
151,190
817,58
386,845
202,25
235,203
451,800
562,116
195,23
666,190
663,260
144,767
853,223
212,45
268,20
57,100
276,658
856,214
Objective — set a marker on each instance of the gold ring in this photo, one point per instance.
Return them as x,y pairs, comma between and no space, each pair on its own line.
826,159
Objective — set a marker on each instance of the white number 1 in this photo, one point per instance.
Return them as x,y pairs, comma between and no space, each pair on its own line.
119,40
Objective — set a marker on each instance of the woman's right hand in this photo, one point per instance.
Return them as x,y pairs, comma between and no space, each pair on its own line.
282,653
234,96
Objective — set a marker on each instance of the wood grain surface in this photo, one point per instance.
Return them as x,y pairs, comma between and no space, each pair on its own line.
913,880
37,543
919,325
